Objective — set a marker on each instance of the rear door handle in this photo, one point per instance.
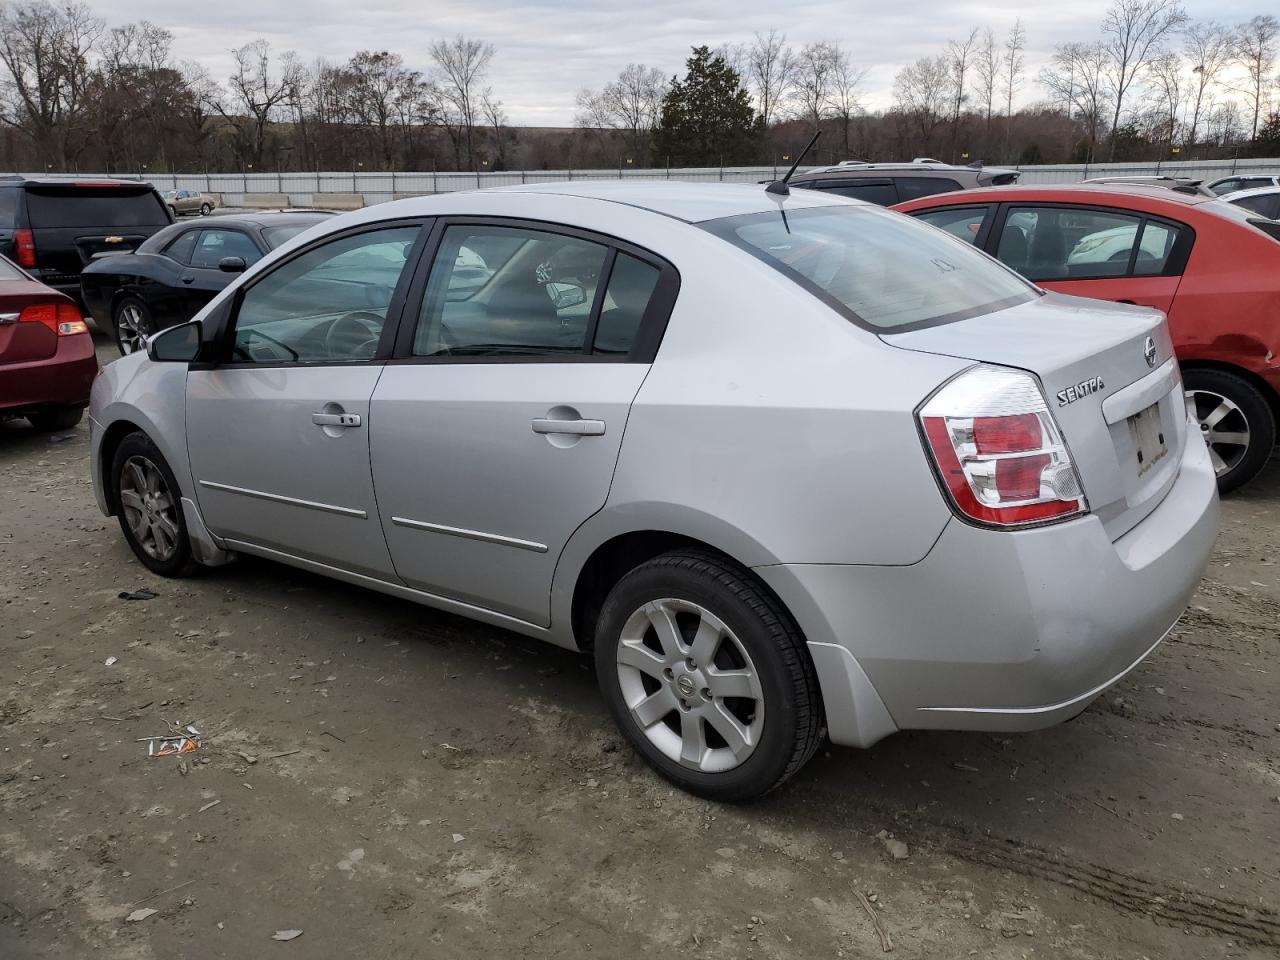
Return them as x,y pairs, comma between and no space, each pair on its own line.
188,279
577,428
336,419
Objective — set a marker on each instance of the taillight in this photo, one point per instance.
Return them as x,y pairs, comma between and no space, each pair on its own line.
24,245
62,318
999,451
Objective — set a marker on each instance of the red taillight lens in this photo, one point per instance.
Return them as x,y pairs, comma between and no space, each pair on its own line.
24,246
998,450
62,318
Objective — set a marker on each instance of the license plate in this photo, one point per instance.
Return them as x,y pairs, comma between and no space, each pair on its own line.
1149,444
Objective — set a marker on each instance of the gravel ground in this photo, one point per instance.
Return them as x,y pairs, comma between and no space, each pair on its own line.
396,782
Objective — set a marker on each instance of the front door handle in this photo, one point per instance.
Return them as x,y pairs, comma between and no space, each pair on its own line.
188,279
577,428
336,419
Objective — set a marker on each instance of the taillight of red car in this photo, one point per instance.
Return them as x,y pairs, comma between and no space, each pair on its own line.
998,450
64,319
24,248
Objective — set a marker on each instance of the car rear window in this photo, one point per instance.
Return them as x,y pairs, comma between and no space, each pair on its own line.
275,236
90,207
881,269
8,207
9,272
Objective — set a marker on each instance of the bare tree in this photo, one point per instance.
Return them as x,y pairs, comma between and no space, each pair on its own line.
631,104
1075,75
1012,63
496,117
259,89
770,70
814,80
1164,75
1132,34
463,64
986,68
846,80
378,81
1209,47
921,93
1256,43
960,60
45,53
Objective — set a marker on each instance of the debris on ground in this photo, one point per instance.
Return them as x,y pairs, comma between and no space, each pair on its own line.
886,941
110,661
180,740
897,849
286,935
138,595
141,914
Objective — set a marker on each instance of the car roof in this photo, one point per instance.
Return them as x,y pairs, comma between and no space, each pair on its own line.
1150,191
680,200
1246,176
922,167
1250,192
22,179
263,218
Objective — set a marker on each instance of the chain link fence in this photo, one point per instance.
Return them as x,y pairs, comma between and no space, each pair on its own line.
355,187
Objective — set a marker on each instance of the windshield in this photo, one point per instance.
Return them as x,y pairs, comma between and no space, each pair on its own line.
884,270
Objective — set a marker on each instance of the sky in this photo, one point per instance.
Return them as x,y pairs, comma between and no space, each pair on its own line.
548,51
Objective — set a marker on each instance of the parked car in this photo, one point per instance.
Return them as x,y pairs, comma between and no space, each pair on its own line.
1213,267
182,202
1246,181
53,226
782,463
47,363
1264,201
178,270
889,183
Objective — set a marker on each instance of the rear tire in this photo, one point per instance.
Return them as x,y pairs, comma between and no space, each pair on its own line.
57,418
148,505
707,677
1235,420
133,323
205,209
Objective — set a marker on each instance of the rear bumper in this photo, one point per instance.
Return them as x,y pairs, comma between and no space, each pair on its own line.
62,380
1004,631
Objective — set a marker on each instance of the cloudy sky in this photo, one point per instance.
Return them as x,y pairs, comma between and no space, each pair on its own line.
548,51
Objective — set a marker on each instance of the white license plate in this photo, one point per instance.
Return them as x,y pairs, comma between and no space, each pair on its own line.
1149,443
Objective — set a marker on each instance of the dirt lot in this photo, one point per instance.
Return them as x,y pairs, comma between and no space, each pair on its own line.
395,782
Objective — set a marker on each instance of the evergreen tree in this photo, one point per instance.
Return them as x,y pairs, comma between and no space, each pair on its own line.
707,118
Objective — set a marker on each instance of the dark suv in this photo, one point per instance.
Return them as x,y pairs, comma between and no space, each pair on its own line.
890,183
53,226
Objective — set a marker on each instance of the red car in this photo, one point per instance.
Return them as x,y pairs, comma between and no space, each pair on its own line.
1213,267
47,363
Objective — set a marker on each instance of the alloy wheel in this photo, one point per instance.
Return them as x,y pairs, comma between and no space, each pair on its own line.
690,686
149,508
132,328
1224,427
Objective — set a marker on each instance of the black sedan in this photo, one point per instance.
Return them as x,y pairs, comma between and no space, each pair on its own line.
178,270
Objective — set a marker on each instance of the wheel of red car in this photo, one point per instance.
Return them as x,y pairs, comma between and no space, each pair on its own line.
1236,422
133,324
149,506
56,418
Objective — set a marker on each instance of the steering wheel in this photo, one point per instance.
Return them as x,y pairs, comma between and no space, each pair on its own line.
353,335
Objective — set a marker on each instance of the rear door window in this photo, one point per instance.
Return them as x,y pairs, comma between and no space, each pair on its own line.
95,208
1062,243
964,223
631,287
879,192
909,188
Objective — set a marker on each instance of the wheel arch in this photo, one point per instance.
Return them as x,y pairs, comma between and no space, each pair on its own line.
112,437
1244,373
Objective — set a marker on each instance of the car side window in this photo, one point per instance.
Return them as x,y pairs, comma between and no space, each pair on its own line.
1266,204
329,304
632,283
499,291
182,247
909,188
880,192
1064,243
1155,246
215,245
962,222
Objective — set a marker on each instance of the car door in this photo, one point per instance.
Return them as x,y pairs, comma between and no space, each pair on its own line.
496,429
1104,253
204,278
161,286
278,425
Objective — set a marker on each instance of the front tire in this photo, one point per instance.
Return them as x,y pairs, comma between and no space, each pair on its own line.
149,507
1236,422
133,323
707,677
57,418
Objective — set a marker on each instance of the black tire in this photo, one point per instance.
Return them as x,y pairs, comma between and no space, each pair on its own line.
179,562
792,709
56,418
1252,411
205,209
131,314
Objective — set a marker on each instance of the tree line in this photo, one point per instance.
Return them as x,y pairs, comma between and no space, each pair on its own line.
76,94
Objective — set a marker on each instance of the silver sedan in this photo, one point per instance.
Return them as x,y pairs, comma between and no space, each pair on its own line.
787,466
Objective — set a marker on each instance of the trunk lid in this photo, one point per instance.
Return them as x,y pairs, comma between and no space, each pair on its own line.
23,342
1120,408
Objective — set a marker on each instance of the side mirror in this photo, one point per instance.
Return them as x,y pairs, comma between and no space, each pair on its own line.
232,265
178,344
565,295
